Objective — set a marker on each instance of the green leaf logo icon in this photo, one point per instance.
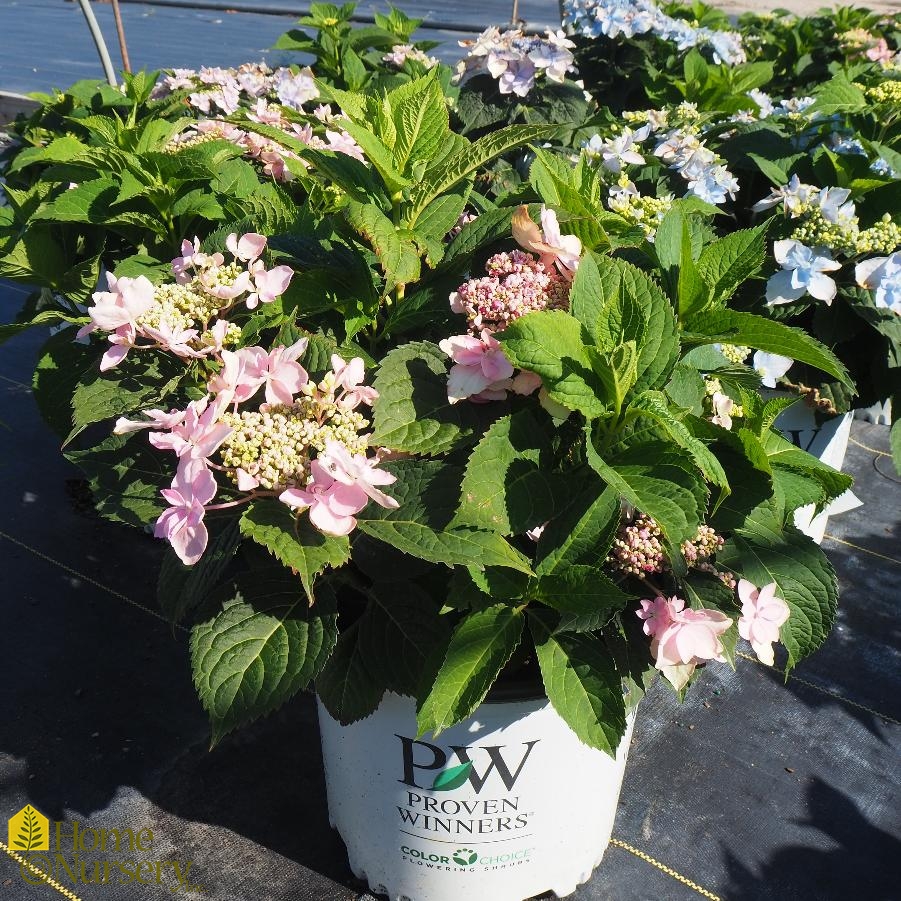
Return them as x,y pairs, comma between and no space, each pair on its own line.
451,778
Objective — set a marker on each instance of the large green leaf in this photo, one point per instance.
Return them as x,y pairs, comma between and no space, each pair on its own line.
88,202
125,475
397,254
294,541
550,343
264,646
131,386
583,685
480,646
465,162
736,327
803,576
727,262
428,493
657,480
505,487
421,120
583,532
581,590
412,412
402,634
346,686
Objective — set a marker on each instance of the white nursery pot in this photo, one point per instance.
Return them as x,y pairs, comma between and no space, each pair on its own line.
827,442
533,813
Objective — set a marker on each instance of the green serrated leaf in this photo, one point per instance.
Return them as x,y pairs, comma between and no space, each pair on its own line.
504,488
803,576
294,540
262,648
481,644
736,327
583,685
412,412
550,343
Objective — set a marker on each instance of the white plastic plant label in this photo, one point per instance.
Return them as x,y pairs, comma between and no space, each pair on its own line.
502,807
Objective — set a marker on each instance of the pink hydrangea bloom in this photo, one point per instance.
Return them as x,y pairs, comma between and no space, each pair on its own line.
198,435
554,249
516,283
332,504
681,637
182,524
125,302
248,247
762,614
359,470
283,375
349,377
241,374
268,284
478,364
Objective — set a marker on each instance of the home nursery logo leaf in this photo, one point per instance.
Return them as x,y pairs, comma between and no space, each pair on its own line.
29,830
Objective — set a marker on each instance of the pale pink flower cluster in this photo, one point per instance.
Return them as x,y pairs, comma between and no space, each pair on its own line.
400,53
516,283
340,483
226,90
762,615
516,59
259,284
682,638
179,319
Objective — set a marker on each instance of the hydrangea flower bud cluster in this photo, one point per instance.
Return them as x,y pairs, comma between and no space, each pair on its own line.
735,353
274,444
516,284
702,547
638,548
516,59
646,212
885,92
628,18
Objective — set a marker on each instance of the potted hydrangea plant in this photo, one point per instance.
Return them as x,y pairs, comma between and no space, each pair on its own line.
453,462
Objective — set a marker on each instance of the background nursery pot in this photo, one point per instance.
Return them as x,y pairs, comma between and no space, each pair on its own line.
501,807
828,442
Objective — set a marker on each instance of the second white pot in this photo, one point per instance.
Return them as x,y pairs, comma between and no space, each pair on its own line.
828,442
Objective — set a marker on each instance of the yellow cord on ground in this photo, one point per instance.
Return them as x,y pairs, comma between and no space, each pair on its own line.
863,550
38,873
872,450
664,869
823,689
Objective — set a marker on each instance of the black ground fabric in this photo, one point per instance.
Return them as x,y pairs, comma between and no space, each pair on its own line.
754,789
